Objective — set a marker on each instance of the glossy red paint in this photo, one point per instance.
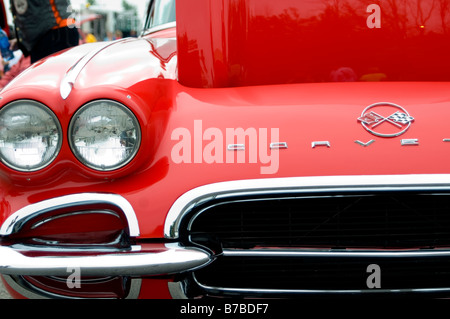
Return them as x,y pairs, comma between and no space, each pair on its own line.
238,43
257,80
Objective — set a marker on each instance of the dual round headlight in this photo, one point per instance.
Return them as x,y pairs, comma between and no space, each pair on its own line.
30,135
103,135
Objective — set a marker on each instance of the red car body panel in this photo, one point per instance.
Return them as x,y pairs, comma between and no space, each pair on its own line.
244,64
239,43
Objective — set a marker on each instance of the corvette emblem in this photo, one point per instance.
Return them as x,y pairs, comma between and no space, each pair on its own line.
385,119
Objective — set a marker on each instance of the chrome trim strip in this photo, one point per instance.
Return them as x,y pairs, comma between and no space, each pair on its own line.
236,147
177,290
335,253
173,259
29,291
320,143
409,141
72,74
278,146
298,185
364,144
262,291
14,222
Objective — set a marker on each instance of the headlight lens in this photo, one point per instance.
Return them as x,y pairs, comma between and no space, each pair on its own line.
104,135
30,135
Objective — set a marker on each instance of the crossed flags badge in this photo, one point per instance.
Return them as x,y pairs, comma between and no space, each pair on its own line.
398,119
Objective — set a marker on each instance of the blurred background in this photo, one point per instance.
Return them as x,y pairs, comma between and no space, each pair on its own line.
105,19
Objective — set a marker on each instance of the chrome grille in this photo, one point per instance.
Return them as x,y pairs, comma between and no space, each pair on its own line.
380,221
383,220
325,273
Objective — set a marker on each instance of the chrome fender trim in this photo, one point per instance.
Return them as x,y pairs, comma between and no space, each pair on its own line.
154,259
74,71
14,222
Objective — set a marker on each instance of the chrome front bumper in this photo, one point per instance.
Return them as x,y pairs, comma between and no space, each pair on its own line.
148,260
50,260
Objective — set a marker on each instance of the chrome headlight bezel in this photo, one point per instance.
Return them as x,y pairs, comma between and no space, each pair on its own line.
57,131
76,149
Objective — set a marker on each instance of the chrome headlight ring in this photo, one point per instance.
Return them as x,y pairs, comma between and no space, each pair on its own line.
30,135
104,135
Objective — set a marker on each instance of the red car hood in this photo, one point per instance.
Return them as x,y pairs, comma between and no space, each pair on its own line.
122,63
306,113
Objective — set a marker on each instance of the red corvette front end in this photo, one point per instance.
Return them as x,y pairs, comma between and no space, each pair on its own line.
252,149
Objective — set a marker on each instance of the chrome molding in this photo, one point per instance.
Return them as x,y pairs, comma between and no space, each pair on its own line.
409,141
298,185
72,74
236,147
280,253
278,146
336,253
280,292
14,222
29,291
180,290
177,290
364,144
320,143
154,260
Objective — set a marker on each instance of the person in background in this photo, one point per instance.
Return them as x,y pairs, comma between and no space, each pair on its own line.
90,38
118,35
109,36
43,27
15,70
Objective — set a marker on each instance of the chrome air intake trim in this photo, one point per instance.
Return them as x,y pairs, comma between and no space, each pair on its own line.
298,185
14,222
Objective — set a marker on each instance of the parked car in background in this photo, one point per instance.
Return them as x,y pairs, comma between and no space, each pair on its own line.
235,149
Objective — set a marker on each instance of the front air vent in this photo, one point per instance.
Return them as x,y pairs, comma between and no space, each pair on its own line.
83,226
385,220
330,273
